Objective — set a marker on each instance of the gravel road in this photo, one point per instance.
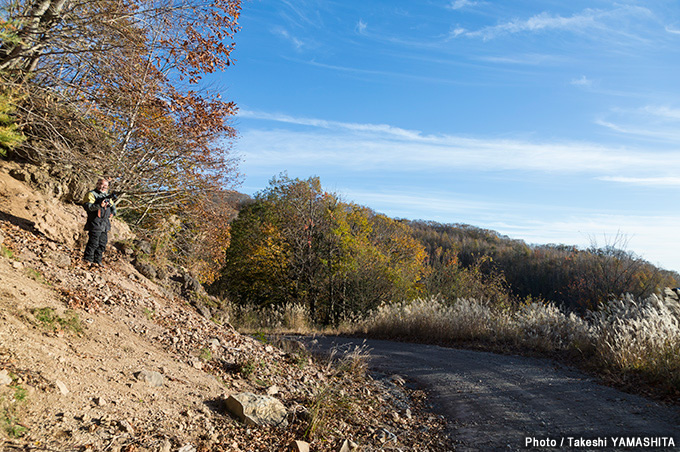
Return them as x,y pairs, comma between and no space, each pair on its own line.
498,402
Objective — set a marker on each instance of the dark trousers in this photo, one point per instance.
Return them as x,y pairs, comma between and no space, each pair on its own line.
96,245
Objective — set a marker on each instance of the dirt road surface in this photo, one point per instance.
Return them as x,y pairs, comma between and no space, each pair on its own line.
496,402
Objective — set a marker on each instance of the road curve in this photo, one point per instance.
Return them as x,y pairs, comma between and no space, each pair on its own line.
497,402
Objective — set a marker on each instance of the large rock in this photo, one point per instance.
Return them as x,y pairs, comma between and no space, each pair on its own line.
299,446
151,378
145,269
143,246
61,260
257,410
5,379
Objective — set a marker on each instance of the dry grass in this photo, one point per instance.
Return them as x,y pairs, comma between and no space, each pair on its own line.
334,399
640,337
627,337
289,318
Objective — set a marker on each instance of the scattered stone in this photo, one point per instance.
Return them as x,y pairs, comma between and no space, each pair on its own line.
125,248
197,365
126,426
99,401
273,390
203,310
143,246
61,387
5,379
19,174
214,343
161,273
145,269
299,446
152,378
257,410
348,446
187,448
59,259
166,445
17,265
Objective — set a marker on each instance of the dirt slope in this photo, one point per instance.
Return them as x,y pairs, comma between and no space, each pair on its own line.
76,342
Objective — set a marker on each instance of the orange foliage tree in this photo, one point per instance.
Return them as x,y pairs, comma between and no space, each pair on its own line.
113,88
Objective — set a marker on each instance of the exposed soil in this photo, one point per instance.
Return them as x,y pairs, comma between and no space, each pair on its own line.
74,339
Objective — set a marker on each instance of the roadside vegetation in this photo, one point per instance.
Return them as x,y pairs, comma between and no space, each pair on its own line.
302,260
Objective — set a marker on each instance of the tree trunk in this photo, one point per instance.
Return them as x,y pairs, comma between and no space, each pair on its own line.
22,56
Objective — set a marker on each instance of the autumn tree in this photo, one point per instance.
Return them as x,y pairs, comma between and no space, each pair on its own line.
298,243
113,88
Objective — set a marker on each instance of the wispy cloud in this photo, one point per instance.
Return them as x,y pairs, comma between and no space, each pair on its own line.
364,146
582,82
380,74
663,112
660,123
297,43
587,20
325,124
530,59
460,4
305,15
674,31
670,181
361,27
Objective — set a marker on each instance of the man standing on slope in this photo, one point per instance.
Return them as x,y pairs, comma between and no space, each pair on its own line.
99,211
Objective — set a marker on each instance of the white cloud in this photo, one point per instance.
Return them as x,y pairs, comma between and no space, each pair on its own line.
670,181
460,4
589,19
673,31
583,81
361,27
297,43
660,123
364,146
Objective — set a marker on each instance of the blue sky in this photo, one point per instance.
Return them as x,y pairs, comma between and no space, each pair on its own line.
547,121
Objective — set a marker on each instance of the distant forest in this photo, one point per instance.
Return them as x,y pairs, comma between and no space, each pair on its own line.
296,243
574,278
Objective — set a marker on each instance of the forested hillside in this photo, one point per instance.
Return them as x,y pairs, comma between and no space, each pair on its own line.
296,243
577,279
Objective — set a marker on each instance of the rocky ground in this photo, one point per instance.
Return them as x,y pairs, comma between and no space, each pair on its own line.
105,359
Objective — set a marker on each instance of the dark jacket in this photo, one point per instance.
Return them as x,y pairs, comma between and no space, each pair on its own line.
98,217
